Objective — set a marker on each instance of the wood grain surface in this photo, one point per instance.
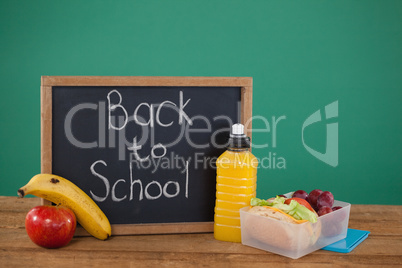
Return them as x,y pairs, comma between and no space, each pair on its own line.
382,248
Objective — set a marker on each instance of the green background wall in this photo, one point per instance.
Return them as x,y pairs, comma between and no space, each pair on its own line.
302,55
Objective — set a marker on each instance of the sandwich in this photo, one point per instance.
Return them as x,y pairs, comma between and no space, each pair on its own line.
283,223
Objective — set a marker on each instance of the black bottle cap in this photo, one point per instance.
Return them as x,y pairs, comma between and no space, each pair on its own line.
237,137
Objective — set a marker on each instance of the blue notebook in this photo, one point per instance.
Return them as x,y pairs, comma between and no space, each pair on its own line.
353,238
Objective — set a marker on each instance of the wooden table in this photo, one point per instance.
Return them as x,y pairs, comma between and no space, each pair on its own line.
382,247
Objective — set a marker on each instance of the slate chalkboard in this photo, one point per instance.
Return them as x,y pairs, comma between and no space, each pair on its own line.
144,148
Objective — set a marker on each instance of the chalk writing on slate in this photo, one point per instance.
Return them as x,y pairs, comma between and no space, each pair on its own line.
144,154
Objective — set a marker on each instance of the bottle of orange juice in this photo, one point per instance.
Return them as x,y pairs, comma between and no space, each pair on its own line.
236,183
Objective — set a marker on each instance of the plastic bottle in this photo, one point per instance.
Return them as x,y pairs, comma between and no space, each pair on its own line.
236,183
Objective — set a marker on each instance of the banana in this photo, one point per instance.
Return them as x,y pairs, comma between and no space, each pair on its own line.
62,191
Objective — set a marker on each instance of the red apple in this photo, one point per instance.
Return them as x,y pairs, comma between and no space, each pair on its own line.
50,226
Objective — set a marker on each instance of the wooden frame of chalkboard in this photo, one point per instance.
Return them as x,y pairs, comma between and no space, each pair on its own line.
49,143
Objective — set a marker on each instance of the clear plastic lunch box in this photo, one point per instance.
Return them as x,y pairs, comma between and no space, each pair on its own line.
290,239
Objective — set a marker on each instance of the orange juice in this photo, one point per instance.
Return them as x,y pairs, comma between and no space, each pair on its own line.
236,182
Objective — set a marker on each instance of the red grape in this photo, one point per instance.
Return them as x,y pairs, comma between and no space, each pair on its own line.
336,208
313,196
324,210
300,194
326,199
